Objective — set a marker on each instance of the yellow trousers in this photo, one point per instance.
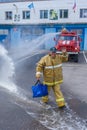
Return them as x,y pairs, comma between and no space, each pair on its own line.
58,95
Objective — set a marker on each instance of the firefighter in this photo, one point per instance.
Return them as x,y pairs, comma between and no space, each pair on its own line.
50,66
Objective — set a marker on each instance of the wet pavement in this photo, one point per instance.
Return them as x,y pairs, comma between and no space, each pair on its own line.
73,95
19,111
13,116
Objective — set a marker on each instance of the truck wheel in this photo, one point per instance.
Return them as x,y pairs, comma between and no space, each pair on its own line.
76,58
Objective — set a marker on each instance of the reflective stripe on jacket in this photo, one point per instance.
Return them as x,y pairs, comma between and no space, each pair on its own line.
59,100
51,69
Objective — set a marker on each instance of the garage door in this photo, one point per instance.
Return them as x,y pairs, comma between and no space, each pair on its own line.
50,41
85,39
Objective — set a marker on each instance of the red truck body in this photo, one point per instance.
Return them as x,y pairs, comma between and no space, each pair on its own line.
70,41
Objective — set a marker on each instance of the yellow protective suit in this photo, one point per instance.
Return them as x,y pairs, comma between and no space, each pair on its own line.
51,68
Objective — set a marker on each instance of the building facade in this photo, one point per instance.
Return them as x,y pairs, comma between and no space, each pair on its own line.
28,20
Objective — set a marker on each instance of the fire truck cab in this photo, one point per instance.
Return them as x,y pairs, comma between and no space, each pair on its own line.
70,41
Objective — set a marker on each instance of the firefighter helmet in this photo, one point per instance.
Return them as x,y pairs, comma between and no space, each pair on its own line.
53,49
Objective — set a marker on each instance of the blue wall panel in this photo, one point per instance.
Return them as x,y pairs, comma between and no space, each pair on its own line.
15,37
50,42
85,39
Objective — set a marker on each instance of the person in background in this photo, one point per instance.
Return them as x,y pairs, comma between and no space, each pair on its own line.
50,66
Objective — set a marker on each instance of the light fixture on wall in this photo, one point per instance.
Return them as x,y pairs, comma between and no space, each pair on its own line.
16,7
16,15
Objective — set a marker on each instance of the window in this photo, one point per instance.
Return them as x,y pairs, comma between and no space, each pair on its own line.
8,15
79,31
67,38
3,31
26,14
37,31
64,13
53,14
83,13
43,14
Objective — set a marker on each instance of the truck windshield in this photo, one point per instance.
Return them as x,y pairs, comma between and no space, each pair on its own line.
67,38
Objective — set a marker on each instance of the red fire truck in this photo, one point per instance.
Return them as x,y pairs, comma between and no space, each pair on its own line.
70,41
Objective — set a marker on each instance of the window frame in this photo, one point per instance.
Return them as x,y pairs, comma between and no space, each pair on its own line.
82,13
43,14
24,14
8,15
63,13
